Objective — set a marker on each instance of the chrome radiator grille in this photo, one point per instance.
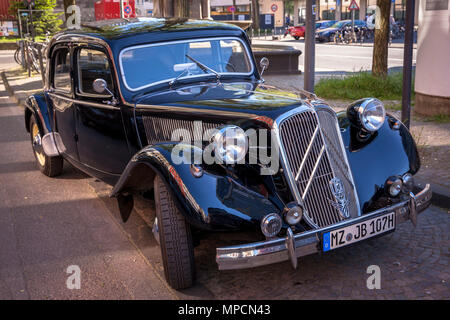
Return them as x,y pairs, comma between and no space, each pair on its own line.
314,156
161,129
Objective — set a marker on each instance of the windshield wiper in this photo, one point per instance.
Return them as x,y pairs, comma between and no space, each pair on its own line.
204,67
171,83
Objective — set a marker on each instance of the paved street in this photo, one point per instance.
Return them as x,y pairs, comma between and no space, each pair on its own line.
49,224
7,59
341,58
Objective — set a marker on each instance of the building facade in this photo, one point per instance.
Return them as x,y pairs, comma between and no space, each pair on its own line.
272,10
339,9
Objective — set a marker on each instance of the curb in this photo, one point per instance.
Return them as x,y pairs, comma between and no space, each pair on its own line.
12,94
440,196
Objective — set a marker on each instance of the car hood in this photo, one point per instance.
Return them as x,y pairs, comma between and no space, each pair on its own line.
241,98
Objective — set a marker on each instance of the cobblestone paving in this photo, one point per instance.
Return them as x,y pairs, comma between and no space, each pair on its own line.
414,264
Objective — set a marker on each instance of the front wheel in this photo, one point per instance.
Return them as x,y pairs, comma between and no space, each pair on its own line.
50,166
175,239
297,38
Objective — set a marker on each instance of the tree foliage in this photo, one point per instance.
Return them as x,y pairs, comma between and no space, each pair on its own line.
43,21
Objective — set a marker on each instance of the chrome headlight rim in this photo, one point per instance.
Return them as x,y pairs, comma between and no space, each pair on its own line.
271,225
366,106
221,153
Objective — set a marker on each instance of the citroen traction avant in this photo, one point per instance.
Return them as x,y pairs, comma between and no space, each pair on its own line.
177,108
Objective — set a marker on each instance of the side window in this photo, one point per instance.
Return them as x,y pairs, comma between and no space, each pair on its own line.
61,70
92,64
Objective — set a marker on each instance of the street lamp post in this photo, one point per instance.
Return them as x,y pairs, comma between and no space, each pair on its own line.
309,47
121,9
407,63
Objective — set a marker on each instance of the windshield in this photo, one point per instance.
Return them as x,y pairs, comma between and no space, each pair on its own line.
147,65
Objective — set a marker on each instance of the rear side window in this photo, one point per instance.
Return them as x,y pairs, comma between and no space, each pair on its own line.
92,65
61,70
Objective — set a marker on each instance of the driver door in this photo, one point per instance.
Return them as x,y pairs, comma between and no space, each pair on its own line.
102,143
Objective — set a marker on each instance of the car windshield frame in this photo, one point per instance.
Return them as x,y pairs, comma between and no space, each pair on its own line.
152,84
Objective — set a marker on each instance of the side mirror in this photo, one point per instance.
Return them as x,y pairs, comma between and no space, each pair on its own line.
264,64
100,86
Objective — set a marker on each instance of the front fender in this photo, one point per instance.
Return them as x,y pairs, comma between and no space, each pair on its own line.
211,202
391,151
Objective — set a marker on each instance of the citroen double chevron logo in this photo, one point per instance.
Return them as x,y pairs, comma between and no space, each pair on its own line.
341,198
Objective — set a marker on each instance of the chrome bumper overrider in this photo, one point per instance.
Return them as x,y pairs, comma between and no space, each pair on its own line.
297,245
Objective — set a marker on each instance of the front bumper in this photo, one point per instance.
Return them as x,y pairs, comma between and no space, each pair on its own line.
294,246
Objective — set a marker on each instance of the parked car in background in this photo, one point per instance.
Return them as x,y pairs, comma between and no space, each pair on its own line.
296,32
327,34
322,24
159,106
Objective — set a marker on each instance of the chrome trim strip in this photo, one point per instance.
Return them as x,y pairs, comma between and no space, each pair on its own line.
86,103
313,173
305,157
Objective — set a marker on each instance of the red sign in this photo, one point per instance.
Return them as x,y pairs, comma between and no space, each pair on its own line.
353,6
274,7
108,9
231,9
127,9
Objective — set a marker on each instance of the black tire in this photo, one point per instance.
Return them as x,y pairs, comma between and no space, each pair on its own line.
296,38
50,166
175,239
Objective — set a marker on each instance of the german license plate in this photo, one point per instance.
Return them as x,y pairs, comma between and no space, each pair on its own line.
359,231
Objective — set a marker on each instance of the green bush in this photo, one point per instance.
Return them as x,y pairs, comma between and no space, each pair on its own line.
361,85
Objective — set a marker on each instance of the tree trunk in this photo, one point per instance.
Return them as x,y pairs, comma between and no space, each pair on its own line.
381,40
164,8
181,8
255,14
67,3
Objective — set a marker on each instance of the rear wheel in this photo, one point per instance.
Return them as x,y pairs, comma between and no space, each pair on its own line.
175,239
296,38
50,166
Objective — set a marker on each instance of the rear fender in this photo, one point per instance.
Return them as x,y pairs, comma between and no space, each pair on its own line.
37,105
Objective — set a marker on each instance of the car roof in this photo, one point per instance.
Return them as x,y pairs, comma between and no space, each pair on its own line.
115,29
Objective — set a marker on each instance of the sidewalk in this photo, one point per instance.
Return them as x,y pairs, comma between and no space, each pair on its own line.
432,138
290,40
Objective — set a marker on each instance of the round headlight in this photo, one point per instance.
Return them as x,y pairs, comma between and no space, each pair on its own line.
230,144
271,225
394,186
372,114
408,182
293,213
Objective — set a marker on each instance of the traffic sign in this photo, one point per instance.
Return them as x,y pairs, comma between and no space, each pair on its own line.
274,7
127,9
231,9
353,6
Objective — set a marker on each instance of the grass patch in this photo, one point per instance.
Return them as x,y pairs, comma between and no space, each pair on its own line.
9,39
15,39
361,85
440,118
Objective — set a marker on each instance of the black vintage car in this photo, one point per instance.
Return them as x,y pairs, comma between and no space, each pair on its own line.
178,108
